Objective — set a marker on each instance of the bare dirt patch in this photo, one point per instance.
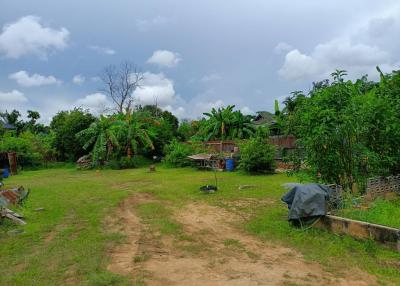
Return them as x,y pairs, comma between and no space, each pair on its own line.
211,250
126,222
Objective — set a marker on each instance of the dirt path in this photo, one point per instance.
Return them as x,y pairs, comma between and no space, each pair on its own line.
212,252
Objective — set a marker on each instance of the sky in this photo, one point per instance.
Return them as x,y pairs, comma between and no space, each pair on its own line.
194,55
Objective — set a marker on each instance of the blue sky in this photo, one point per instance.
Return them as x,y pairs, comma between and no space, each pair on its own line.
194,54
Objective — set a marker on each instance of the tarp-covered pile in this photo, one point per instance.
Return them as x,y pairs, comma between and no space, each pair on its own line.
307,202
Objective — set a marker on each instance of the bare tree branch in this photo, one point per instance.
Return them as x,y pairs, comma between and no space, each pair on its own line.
120,83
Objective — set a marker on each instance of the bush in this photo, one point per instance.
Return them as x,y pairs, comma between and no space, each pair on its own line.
176,153
32,150
257,156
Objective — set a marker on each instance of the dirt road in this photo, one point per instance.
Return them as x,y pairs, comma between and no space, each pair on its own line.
212,250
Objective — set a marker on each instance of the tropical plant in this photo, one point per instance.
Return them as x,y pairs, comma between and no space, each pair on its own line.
218,122
349,130
101,137
133,130
241,126
225,123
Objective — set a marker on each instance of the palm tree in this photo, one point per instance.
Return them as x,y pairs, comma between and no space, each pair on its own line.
101,134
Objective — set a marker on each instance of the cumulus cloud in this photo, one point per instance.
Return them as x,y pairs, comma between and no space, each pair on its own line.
103,50
179,111
359,52
27,36
78,79
97,103
26,80
282,47
164,58
146,24
155,88
12,97
247,110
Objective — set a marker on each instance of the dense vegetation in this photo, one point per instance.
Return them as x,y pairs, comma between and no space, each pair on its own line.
346,131
115,140
349,130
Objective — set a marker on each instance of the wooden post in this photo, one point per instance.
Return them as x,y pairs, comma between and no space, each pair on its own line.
12,160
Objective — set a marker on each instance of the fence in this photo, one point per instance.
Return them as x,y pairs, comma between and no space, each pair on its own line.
382,185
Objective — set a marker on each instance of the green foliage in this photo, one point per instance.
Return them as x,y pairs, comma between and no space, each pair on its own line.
187,129
176,153
380,211
66,124
349,130
33,150
257,155
101,137
276,107
225,124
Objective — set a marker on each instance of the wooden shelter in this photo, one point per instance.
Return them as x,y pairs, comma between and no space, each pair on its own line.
9,160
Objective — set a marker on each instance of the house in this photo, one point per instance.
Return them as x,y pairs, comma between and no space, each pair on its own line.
263,118
5,125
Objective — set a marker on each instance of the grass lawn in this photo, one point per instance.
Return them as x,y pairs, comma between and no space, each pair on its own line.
67,242
380,211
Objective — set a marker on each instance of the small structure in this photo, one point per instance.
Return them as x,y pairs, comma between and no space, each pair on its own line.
9,160
362,230
208,161
221,146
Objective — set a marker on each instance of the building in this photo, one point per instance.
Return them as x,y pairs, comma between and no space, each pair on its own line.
6,125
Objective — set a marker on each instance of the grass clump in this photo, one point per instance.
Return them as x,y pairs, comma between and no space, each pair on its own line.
159,217
380,211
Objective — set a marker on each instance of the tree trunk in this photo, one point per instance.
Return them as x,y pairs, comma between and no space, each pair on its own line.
129,152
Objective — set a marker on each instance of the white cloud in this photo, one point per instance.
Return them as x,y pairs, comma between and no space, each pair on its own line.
203,106
155,88
179,112
78,79
282,47
145,24
211,77
164,58
298,66
103,50
247,110
12,97
358,51
97,103
28,36
26,80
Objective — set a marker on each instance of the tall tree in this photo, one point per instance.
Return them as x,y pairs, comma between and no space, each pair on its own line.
65,125
120,83
33,116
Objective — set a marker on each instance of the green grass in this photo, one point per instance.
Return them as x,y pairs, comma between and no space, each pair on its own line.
380,211
67,241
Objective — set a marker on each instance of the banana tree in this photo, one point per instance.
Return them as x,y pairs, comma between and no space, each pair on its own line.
218,122
241,126
134,130
101,134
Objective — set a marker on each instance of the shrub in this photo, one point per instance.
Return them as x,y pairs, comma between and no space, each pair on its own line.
32,150
257,156
176,153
